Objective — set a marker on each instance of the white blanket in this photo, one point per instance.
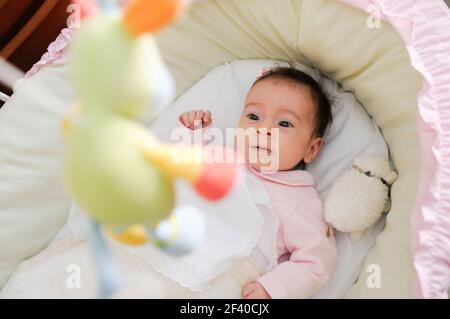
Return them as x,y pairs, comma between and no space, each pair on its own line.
65,270
217,268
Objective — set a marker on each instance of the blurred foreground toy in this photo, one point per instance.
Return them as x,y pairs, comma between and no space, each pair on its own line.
115,170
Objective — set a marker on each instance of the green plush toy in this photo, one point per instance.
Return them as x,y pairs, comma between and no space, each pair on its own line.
115,170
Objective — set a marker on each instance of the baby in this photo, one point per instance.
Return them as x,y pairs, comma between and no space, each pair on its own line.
292,104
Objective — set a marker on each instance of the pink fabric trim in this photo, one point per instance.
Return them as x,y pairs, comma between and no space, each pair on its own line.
56,52
294,178
425,27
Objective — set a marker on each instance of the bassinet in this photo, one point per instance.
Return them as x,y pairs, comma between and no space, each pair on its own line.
394,57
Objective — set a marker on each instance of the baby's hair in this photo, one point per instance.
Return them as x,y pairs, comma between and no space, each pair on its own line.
323,116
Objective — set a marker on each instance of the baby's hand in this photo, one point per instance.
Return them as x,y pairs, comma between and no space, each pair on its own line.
254,290
196,119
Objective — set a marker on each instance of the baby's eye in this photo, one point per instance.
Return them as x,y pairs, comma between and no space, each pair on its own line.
285,124
253,117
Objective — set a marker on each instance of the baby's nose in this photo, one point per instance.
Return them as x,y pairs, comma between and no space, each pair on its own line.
264,130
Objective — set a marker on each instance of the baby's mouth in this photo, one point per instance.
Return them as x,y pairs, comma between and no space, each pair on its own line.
260,148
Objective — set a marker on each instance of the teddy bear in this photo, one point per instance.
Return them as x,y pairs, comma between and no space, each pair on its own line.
360,196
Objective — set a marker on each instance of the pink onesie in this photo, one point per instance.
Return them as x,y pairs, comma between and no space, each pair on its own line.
305,247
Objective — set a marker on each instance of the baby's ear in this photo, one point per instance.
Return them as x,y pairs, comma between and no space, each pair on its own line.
314,149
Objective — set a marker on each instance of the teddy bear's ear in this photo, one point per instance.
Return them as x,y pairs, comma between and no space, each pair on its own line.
392,177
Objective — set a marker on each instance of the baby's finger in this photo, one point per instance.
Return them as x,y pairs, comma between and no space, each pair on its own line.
192,118
198,119
207,118
247,293
185,120
253,295
248,289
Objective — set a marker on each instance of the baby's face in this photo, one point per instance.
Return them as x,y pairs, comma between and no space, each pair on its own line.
276,103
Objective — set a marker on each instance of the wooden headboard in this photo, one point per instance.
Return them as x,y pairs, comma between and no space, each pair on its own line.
27,27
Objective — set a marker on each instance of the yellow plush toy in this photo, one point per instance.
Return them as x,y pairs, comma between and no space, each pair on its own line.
115,170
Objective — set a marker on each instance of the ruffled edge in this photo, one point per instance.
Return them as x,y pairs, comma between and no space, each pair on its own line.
427,37
56,52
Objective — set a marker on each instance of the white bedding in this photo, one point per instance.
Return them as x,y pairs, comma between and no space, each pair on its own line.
222,91
65,270
147,271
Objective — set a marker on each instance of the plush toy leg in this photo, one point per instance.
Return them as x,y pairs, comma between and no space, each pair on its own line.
356,236
109,279
181,232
